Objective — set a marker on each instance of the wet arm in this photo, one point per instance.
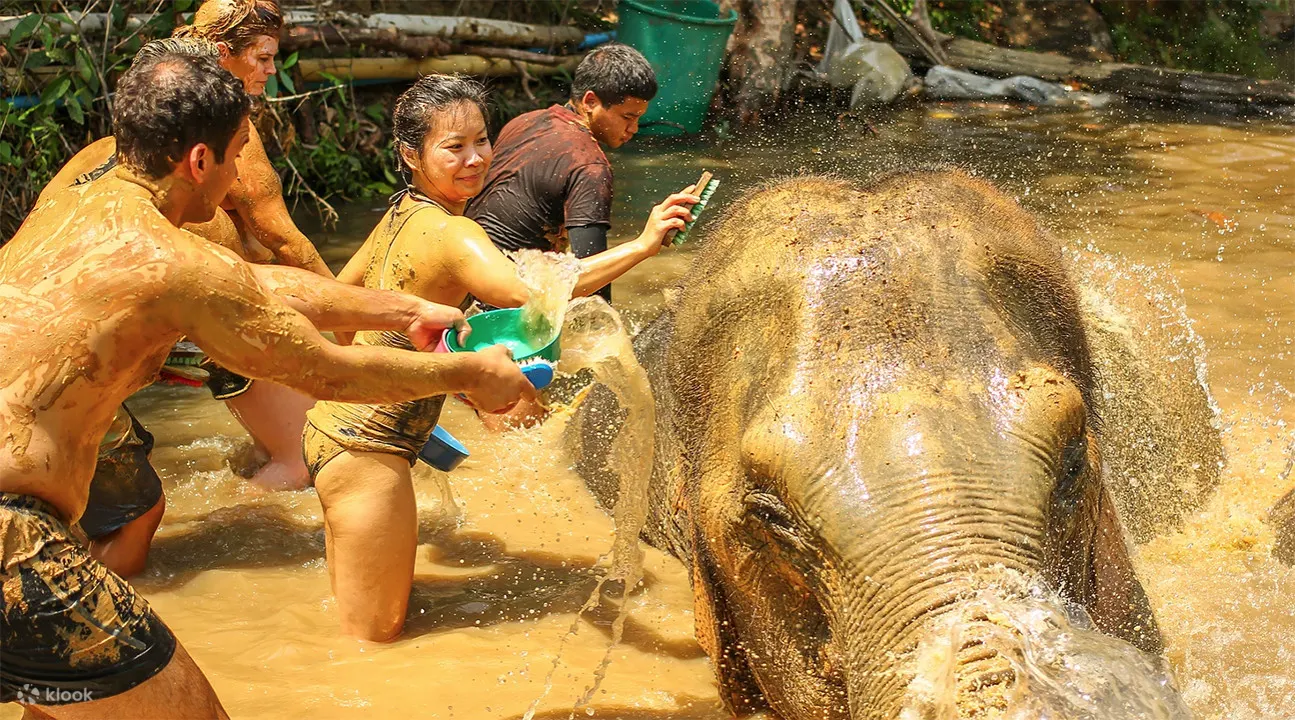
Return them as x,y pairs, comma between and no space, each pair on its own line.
332,305
258,199
599,270
589,240
221,306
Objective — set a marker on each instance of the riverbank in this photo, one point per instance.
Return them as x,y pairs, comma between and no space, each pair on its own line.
329,138
510,537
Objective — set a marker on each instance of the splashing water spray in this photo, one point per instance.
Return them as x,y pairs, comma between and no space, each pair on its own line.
549,279
1061,666
594,337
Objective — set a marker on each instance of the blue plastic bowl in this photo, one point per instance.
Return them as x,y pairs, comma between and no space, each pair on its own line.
442,451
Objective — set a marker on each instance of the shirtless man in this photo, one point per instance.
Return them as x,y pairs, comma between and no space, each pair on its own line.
244,34
97,286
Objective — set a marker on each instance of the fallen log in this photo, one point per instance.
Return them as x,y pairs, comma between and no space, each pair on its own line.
461,29
337,40
316,69
302,37
458,29
1139,82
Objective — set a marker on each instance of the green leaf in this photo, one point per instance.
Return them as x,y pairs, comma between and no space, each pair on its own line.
83,67
286,79
74,111
292,60
55,90
390,176
23,29
6,153
272,86
374,112
182,5
38,59
59,55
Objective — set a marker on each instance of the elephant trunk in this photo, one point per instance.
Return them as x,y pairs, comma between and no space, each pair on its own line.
1003,646
947,664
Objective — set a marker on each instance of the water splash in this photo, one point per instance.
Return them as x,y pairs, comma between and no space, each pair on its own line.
549,278
1062,668
594,338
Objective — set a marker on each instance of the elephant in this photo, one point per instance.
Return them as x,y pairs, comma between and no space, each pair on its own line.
866,396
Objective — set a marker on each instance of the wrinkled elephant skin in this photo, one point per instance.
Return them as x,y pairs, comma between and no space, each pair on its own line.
866,396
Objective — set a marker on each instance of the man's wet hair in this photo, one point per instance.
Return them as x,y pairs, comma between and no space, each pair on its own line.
167,104
614,72
191,46
419,108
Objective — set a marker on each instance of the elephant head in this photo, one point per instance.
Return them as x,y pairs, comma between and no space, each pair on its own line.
879,404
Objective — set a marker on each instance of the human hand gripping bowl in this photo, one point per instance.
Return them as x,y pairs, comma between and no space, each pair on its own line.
430,320
498,383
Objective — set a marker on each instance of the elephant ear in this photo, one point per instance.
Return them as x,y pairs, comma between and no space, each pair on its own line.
717,635
1120,605
1095,568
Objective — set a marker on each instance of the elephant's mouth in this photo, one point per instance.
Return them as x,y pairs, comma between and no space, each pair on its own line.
1018,652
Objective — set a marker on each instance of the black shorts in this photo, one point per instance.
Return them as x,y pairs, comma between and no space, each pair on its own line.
222,383
71,629
125,485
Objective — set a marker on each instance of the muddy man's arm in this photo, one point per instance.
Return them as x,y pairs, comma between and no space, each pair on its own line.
216,301
336,306
258,199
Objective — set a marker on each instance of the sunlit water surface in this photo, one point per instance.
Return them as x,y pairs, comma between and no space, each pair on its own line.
510,539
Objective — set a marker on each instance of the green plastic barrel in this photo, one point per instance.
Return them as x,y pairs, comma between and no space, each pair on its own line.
684,40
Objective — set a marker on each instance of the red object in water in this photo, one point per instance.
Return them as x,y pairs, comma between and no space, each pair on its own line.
172,379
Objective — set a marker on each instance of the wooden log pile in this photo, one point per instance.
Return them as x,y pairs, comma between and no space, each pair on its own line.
346,43
1138,82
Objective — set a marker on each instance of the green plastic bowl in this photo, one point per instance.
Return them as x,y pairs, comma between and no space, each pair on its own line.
501,327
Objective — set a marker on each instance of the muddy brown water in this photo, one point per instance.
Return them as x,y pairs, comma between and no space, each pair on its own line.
510,539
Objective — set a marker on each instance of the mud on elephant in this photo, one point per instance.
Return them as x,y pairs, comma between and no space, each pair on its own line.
868,400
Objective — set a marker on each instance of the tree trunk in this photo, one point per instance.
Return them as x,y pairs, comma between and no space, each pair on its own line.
463,29
301,37
1139,82
759,54
411,69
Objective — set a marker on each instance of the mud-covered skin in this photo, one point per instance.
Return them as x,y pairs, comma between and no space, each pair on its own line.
256,200
866,395
398,428
98,285
255,203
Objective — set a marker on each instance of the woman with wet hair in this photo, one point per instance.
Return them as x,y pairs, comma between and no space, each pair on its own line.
360,456
246,32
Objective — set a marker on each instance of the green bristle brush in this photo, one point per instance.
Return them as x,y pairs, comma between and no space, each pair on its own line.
707,186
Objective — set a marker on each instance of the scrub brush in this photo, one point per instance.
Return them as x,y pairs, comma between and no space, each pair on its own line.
705,187
539,371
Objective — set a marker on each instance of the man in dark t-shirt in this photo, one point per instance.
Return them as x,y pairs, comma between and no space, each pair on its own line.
550,185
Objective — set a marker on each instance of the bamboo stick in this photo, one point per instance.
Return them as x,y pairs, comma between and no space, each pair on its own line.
409,69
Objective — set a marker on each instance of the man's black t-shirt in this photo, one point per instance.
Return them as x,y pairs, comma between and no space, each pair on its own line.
548,174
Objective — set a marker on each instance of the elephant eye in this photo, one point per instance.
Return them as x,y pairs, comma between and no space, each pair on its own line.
768,515
1074,459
